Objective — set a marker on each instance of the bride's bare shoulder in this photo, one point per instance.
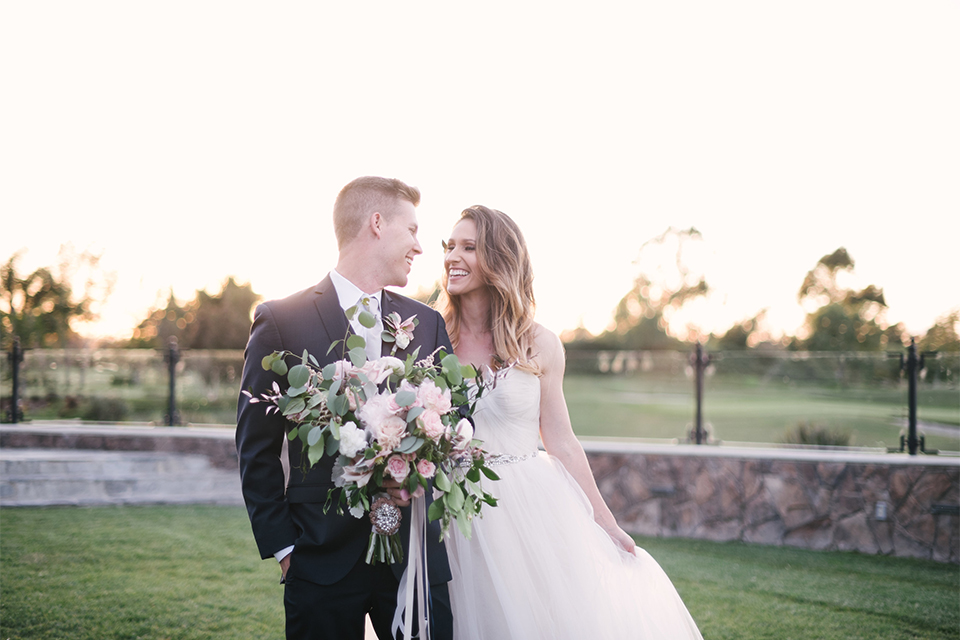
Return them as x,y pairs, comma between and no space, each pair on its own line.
547,345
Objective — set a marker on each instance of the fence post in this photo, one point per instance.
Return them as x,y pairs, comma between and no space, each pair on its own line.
914,364
172,357
15,357
700,361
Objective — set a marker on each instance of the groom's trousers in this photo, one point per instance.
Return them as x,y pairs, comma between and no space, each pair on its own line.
336,611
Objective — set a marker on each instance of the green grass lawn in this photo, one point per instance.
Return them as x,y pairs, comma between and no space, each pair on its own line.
743,410
189,572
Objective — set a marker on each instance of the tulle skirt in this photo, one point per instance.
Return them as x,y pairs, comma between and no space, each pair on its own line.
538,566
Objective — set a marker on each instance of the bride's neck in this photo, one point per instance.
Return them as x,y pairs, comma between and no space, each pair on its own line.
475,314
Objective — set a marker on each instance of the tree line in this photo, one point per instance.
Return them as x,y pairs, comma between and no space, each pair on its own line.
44,306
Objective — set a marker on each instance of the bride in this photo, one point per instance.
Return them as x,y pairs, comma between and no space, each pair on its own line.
550,560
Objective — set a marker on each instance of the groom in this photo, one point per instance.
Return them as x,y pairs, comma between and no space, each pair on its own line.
328,585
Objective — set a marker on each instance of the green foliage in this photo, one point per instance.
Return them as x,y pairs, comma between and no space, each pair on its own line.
219,321
942,336
641,316
806,433
845,319
42,307
105,409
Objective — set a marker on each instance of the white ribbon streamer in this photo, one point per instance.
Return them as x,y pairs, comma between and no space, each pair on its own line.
416,583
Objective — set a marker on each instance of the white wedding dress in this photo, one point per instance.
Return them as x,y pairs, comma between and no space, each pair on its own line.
537,565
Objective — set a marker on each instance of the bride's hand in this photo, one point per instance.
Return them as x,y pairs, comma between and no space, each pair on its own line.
620,537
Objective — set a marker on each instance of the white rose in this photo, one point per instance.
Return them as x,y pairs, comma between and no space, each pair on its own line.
352,440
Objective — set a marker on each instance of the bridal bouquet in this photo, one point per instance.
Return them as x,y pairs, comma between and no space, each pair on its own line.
386,418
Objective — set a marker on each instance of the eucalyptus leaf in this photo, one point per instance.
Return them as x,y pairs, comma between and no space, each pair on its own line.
314,361
334,429
410,444
293,392
314,455
314,400
414,413
279,367
298,376
468,371
267,362
358,357
329,371
314,436
356,341
334,388
296,406
282,403
386,336
340,405
352,311
405,398
367,319
332,446
293,434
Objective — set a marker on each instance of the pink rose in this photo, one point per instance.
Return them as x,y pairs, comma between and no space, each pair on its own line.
426,468
391,432
430,396
376,371
431,425
374,412
344,368
397,468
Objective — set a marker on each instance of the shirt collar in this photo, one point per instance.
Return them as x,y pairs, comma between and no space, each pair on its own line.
348,293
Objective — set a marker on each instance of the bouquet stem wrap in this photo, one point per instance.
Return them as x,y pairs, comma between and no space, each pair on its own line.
414,579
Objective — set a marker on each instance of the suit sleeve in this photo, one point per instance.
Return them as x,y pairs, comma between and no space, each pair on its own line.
260,442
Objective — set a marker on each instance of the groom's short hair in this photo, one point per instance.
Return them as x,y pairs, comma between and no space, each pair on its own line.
363,196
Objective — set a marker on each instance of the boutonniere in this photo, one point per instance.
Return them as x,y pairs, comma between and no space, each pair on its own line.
397,331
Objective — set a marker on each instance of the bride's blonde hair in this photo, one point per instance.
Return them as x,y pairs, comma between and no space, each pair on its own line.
504,263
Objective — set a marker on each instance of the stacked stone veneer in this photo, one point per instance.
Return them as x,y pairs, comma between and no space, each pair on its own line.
810,499
802,498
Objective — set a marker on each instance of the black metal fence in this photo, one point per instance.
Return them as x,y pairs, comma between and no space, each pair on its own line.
903,400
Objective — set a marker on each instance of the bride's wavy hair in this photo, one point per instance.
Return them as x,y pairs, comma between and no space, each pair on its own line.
505,265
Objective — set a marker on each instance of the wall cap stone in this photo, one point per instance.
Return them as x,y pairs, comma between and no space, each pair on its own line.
746,451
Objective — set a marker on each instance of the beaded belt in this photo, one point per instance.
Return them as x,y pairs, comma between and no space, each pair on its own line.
505,458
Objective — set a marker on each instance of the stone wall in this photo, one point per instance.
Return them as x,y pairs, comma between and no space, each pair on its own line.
217,443
801,498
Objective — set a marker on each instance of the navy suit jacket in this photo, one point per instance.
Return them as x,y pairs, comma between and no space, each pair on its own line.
326,546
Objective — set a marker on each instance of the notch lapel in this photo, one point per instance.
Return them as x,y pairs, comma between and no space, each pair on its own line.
332,318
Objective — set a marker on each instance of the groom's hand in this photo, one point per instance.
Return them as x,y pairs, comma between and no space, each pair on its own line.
401,497
284,566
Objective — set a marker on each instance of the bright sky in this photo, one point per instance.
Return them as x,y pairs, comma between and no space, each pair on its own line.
189,141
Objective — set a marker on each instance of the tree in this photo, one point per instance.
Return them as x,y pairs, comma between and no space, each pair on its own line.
42,307
219,321
843,319
742,335
641,318
942,336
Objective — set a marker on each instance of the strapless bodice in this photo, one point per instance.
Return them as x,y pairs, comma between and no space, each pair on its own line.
507,416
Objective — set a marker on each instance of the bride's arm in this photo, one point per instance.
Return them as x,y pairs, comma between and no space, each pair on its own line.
558,437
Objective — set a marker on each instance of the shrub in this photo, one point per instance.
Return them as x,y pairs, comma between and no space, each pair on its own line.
815,435
105,410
